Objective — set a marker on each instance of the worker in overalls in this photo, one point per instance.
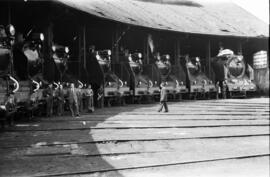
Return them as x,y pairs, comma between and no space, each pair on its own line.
60,100
90,98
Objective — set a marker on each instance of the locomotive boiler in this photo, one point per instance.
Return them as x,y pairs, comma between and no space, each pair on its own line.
174,84
199,85
233,74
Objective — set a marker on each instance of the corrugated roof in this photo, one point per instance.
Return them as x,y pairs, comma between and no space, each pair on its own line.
199,17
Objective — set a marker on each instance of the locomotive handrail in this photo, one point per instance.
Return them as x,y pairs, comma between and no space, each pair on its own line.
151,84
177,83
57,86
121,82
37,85
16,83
81,84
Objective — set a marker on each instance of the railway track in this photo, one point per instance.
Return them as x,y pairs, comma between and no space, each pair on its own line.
136,141
155,166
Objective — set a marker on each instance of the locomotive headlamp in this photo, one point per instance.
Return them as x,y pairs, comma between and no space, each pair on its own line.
139,55
66,49
167,57
109,52
140,82
240,58
53,48
11,30
41,36
109,83
97,56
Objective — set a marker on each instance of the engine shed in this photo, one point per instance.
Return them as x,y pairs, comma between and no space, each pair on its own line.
196,28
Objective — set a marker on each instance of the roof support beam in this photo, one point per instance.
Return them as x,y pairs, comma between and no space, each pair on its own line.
177,52
208,58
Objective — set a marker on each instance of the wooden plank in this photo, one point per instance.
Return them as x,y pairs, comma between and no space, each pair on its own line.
121,124
168,117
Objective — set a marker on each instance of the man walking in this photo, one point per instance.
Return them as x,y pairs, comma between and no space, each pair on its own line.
73,100
163,98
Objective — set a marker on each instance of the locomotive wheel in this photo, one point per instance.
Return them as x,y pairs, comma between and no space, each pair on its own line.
180,97
195,95
230,94
190,96
245,94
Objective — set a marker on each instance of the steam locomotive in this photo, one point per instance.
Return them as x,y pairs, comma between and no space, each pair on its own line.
114,89
28,63
141,84
199,85
233,74
8,84
174,84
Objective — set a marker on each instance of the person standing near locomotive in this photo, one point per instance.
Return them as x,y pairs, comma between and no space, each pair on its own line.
163,98
79,93
60,100
49,100
73,100
10,105
100,97
90,98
